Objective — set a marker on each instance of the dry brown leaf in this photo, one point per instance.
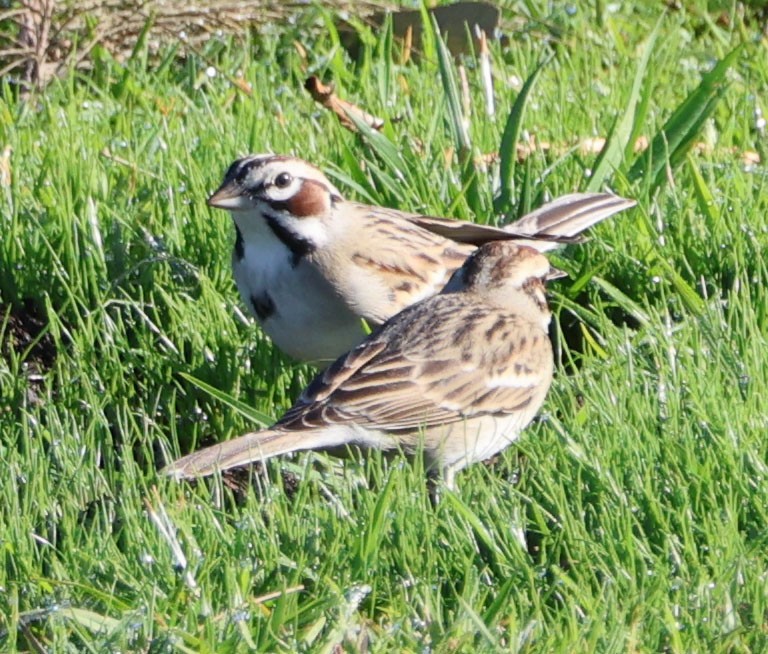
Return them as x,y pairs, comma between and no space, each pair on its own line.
750,158
593,145
323,94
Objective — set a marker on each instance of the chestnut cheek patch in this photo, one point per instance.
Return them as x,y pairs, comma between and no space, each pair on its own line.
312,200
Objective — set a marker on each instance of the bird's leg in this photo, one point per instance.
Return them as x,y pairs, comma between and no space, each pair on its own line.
439,480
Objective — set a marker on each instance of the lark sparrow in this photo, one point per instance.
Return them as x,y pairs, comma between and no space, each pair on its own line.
462,372
310,264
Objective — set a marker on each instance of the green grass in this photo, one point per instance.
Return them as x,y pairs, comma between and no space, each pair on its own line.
632,518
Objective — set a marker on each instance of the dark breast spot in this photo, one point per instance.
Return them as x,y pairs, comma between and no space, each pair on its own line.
262,305
239,245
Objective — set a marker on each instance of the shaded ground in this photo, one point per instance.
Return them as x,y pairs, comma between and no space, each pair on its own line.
23,331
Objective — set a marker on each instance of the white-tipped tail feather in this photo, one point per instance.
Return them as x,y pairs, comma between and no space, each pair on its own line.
253,447
567,217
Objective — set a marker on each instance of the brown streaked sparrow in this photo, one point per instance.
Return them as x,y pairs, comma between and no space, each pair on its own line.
309,264
460,373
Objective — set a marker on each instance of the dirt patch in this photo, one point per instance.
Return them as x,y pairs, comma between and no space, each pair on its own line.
47,37
25,333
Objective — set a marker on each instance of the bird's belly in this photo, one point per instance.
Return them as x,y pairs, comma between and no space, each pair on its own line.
296,307
462,443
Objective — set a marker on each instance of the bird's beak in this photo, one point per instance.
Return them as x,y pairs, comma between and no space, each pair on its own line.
228,196
555,273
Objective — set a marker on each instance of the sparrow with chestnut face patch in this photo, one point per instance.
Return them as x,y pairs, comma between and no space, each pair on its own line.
459,374
310,264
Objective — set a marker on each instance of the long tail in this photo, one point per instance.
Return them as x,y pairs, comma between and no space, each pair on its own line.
256,446
556,223
566,217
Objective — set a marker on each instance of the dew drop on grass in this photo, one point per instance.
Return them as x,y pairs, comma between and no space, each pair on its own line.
357,594
199,414
744,381
760,124
418,624
241,616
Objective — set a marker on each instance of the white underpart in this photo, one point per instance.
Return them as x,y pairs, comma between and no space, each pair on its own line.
310,229
310,322
463,443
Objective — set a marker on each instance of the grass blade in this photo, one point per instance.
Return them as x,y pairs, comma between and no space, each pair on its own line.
381,146
704,197
624,301
688,295
261,419
615,147
90,619
678,133
509,139
459,123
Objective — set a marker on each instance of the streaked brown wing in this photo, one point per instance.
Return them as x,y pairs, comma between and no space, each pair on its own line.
462,231
406,265
446,360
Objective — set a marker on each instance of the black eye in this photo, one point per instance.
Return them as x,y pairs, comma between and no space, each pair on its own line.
283,180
